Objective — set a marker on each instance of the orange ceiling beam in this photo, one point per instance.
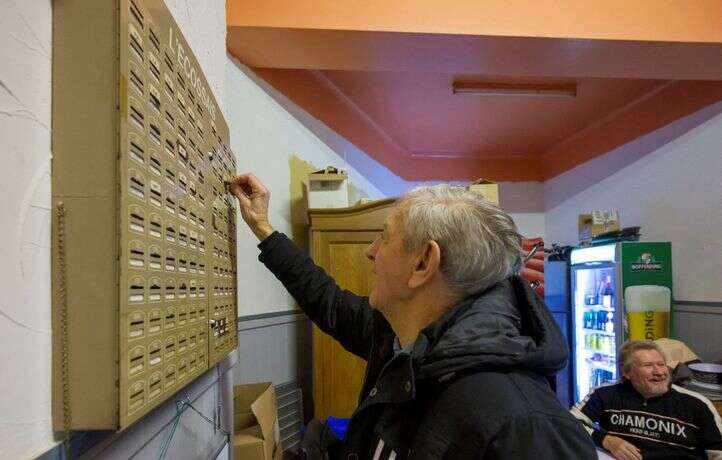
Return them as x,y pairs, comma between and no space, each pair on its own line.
643,20
462,54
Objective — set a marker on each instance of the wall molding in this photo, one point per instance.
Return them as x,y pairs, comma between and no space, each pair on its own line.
698,303
246,323
272,314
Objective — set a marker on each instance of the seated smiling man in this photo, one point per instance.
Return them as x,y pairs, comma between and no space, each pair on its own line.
458,345
644,416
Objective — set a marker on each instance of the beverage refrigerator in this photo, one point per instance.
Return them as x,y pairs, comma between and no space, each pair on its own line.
602,277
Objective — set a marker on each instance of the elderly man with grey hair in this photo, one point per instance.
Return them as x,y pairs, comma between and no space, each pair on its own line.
458,345
646,417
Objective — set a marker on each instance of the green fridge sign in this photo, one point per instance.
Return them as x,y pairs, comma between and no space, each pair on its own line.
647,263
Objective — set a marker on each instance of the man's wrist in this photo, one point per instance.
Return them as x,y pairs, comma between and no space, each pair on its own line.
262,230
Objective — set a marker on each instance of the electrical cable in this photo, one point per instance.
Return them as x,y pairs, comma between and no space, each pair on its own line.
166,443
219,399
181,406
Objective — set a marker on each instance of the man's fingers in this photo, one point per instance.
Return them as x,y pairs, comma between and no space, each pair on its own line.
535,264
532,275
255,184
636,453
244,200
631,452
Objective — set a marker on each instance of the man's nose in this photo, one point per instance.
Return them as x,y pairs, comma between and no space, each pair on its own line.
370,251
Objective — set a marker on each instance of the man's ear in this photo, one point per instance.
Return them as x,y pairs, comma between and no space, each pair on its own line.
426,265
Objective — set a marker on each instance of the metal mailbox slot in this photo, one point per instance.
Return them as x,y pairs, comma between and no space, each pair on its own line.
154,98
183,235
169,85
153,38
183,209
170,289
170,233
156,194
155,353
182,368
136,184
170,318
136,219
170,376
169,118
136,42
136,396
155,229
155,258
182,316
136,290
169,348
154,132
154,385
170,261
136,360
155,321
136,148
136,254
136,325
155,164
182,342
154,66
154,289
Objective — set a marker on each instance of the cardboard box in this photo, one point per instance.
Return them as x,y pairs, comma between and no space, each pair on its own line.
487,189
328,189
255,420
596,223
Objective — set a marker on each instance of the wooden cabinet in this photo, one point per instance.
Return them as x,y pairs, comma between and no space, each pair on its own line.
339,238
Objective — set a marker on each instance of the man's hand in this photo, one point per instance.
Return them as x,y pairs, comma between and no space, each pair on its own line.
533,269
253,198
620,448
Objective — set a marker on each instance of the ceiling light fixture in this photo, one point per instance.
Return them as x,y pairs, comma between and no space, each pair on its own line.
515,89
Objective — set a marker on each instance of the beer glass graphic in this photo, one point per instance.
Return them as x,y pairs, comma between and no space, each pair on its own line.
648,308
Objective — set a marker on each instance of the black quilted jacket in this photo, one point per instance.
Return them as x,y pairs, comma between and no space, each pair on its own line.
473,386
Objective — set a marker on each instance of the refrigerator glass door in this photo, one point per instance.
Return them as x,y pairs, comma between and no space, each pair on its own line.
595,325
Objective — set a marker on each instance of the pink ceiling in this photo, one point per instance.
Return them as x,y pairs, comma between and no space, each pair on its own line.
419,111
390,93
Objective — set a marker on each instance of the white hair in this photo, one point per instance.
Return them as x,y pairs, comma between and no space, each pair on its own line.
480,244
627,350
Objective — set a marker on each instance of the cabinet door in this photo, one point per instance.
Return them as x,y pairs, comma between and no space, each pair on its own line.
338,375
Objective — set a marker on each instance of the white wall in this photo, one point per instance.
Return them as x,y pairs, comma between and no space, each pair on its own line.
25,102
670,183
25,50
263,136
